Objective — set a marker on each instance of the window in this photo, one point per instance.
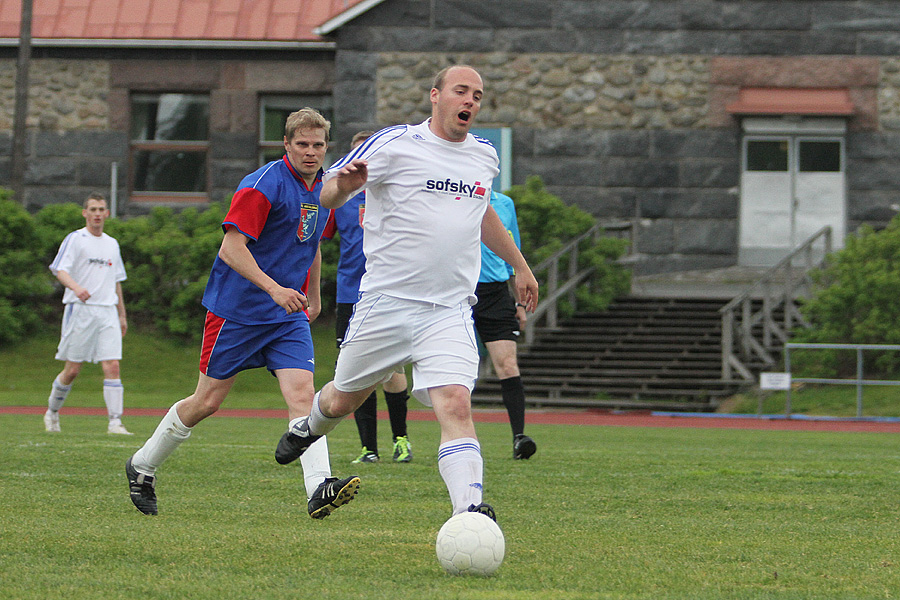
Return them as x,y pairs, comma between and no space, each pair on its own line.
274,111
820,157
767,155
169,147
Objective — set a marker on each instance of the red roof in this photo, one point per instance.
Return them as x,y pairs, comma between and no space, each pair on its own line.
251,20
792,101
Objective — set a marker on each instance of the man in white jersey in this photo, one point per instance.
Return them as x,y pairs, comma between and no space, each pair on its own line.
90,267
427,210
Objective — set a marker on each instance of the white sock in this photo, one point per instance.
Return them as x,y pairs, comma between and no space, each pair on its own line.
114,397
58,395
168,435
462,468
319,424
316,465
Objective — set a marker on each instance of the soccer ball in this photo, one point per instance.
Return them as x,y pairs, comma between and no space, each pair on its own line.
470,543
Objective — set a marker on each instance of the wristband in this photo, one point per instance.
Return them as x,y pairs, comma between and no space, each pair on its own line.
520,304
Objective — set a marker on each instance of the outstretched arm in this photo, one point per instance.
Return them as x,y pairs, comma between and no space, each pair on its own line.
495,237
348,180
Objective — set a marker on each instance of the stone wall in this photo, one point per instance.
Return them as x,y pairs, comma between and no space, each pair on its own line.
621,106
557,90
70,146
889,94
79,117
623,137
63,95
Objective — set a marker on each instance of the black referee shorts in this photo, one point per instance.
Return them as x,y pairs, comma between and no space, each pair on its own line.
342,316
495,312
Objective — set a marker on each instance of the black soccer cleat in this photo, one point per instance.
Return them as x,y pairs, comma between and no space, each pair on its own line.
485,509
523,447
294,442
331,494
142,488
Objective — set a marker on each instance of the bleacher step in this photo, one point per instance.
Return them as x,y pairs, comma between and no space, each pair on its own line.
642,352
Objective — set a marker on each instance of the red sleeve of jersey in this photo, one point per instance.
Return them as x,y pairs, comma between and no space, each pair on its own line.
305,285
330,226
248,213
303,290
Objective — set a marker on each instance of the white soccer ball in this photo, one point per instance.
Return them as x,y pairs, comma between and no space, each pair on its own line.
470,544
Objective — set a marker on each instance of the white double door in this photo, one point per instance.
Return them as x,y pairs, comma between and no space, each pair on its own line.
792,185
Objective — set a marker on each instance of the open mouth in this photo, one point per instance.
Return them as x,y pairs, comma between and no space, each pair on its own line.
464,116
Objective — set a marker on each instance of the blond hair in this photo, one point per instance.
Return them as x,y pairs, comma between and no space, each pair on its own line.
306,118
360,136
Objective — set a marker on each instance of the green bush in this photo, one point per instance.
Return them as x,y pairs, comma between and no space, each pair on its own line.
546,224
330,255
168,256
856,302
25,284
53,223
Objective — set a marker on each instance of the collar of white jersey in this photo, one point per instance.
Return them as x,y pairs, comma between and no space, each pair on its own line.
425,125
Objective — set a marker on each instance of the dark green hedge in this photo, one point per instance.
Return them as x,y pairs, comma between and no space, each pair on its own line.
546,224
857,301
168,256
24,281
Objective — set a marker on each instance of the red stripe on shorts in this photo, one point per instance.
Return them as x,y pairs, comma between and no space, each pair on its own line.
211,330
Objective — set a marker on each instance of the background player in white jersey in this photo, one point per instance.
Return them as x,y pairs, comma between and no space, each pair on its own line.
90,267
427,210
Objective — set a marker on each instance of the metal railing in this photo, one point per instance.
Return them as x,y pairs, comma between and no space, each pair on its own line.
561,276
748,333
859,381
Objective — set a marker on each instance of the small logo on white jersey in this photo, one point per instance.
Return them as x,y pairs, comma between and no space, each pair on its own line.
457,188
416,136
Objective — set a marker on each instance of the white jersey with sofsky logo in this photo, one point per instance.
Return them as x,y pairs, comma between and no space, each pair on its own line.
425,199
94,262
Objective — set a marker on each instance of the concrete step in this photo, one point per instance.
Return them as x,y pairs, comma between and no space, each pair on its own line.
644,351
723,283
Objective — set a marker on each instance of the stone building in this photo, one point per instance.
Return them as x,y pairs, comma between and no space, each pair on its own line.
728,130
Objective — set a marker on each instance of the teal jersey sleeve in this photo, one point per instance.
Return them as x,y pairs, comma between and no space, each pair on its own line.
494,268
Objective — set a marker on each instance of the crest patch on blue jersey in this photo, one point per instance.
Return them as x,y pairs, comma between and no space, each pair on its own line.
309,217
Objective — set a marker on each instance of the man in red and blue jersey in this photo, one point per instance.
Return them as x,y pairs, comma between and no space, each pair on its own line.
262,292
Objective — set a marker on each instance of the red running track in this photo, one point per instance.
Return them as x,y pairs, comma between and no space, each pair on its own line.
560,417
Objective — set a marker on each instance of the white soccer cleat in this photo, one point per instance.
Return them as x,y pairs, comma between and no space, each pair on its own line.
118,429
51,422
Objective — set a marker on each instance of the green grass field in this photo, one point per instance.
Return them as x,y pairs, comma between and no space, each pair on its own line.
599,512
156,372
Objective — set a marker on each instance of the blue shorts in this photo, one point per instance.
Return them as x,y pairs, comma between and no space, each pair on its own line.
229,348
